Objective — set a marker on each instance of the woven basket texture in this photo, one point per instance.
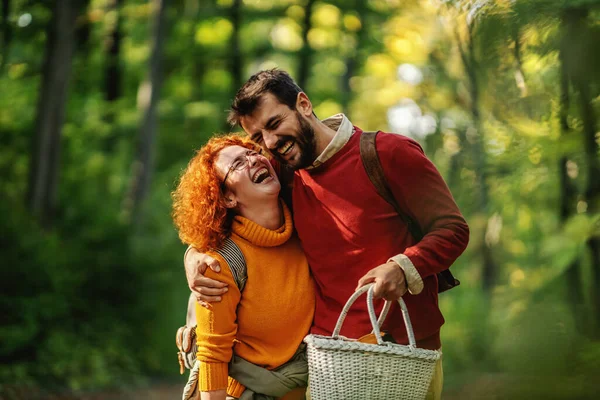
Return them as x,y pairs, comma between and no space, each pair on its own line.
344,369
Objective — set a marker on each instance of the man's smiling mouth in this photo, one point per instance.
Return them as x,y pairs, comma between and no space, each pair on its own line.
285,149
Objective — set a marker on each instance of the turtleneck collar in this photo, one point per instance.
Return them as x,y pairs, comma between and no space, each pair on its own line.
261,236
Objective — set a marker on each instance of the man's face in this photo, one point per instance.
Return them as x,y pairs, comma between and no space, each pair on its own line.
283,132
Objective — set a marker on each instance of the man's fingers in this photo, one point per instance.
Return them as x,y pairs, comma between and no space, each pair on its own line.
214,265
204,282
363,281
203,303
205,299
209,299
199,300
367,278
395,291
393,295
378,289
210,291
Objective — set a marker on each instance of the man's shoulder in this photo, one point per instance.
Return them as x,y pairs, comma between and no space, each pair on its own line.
396,141
394,147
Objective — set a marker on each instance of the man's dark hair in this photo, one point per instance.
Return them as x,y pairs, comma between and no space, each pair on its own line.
277,82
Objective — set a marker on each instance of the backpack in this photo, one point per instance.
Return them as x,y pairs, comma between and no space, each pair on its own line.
370,160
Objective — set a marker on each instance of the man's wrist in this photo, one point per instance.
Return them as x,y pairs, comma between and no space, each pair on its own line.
414,282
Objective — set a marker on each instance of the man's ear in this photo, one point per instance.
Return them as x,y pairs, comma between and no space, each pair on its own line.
303,105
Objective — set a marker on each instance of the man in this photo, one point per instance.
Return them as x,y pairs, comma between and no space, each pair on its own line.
351,235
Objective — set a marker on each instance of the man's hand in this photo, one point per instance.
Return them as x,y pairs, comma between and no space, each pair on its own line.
205,289
389,279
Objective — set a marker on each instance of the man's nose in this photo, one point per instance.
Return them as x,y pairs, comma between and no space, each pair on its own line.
270,140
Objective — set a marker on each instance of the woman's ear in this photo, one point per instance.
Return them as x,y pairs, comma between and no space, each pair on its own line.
303,104
230,200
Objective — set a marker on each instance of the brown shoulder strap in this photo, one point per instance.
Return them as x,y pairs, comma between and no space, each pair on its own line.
370,160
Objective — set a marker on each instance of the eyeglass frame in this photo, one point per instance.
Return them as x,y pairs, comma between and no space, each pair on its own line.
244,165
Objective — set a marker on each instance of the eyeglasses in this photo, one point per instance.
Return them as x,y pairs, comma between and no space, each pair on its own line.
239,164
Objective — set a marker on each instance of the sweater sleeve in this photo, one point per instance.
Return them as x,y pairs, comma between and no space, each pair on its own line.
422,193
216,331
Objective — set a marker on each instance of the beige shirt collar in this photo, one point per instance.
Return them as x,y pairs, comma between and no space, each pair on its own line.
344,130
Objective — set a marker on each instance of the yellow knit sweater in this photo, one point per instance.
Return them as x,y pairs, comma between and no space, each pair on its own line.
265,323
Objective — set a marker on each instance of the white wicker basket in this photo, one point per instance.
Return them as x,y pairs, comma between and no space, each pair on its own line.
344,369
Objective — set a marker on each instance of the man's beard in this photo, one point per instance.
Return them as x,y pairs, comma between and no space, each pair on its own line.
305,140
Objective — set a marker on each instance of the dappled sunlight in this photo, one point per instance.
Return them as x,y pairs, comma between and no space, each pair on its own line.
286,35
323,38
406,117
328,108
214,32
410,73
326,15
516,277
256,34
17,71
200,109
352,22
503,96
134,52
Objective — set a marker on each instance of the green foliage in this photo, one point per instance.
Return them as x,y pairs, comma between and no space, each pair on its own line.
94,300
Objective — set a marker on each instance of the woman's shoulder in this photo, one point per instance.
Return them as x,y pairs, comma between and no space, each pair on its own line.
231,260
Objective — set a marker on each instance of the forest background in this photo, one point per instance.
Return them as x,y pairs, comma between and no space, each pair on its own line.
103,102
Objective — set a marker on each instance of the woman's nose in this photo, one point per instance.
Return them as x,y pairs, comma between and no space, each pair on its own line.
252,158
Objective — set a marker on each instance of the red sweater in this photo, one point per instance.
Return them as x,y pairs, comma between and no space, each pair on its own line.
346,229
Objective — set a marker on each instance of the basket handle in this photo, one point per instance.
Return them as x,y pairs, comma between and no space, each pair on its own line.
376,323
350,302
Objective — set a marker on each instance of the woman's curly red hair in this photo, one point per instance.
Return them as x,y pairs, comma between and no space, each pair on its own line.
199,212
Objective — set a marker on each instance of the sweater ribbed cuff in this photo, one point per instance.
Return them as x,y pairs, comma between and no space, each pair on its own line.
234,388
414,282
213,376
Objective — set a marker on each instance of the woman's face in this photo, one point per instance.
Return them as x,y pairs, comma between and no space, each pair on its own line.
247,177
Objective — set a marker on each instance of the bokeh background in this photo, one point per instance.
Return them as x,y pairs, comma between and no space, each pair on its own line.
103,102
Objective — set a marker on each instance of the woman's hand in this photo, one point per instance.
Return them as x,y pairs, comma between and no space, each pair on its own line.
206,290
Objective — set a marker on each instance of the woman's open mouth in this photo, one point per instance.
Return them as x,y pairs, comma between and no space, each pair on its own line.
261,175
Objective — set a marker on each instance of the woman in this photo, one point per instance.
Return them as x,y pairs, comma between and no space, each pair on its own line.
231,191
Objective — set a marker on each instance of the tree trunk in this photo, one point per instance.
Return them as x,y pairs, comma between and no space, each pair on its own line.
236,62
44,165
519,74
456,162
568,191
578,44
352,61
112,68
112,49
6,33
83,32
489,270
148,96
197,56
306,52
592,191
